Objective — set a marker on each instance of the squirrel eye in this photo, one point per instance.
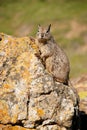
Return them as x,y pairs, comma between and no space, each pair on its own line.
47,31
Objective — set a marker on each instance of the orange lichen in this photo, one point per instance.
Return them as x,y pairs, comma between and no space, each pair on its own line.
4,113
34,46
7,86
40,112
3,126
9,127
15,114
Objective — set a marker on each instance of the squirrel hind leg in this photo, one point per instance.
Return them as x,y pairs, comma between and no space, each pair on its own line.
61,81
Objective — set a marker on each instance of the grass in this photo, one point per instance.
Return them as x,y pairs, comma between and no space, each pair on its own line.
15,14
78,64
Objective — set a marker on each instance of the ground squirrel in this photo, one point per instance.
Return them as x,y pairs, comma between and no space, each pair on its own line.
53,56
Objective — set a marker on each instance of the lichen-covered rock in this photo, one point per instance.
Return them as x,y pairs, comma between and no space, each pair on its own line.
9,127
14,78
29,96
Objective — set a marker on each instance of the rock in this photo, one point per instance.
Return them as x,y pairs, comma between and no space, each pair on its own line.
9,127
29,96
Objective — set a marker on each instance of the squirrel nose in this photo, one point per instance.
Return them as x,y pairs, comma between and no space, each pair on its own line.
42,36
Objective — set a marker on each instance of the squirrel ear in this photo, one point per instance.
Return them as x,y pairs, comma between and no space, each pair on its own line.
39,25
49,28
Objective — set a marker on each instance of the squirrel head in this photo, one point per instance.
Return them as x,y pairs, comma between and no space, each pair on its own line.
43,34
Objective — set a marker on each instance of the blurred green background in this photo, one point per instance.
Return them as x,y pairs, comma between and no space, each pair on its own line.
68,19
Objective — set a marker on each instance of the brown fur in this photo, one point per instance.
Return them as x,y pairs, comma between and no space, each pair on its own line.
54,57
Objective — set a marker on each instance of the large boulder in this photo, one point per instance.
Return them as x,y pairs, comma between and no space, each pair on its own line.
29,96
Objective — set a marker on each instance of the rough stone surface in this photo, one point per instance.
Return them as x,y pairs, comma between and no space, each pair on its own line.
29,96
9,127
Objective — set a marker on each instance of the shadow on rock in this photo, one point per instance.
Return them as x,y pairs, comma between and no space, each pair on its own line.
83,120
